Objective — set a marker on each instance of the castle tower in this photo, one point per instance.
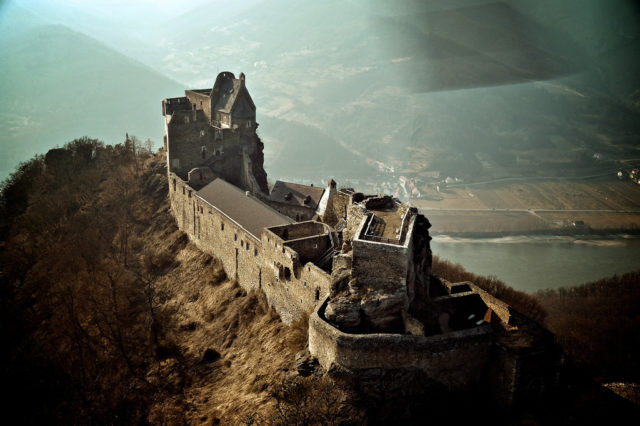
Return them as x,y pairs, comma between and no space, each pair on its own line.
211,133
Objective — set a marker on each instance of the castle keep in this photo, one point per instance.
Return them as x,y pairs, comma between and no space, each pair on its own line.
358,265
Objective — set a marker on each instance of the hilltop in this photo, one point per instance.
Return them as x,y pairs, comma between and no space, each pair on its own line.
112,316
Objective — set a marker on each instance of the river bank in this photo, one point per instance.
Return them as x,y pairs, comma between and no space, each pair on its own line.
535,262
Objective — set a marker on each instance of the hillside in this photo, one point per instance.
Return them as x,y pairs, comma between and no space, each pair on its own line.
58,84
110,315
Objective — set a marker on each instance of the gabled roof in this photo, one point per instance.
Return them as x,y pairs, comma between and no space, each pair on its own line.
245,210
227,90
281,190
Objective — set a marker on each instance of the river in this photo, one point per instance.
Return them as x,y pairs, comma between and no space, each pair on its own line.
534,263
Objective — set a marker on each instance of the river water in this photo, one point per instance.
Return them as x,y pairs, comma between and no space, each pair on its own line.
534,263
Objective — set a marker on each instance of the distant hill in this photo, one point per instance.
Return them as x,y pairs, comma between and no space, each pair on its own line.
471,88
57,84
465,87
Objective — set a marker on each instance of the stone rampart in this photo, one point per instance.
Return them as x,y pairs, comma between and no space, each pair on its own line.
457,359
266,263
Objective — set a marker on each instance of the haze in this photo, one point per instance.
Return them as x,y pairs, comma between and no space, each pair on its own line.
473,89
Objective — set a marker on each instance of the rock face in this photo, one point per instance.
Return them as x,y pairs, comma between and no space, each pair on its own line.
344,311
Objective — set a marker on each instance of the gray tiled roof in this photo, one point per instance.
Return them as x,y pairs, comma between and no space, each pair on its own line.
298,194
246,210
226,90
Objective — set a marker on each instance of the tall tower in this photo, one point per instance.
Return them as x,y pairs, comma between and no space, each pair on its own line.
211,133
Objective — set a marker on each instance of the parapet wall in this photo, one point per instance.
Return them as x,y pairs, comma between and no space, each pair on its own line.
457,360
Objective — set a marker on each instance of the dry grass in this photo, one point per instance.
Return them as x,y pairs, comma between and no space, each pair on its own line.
255,351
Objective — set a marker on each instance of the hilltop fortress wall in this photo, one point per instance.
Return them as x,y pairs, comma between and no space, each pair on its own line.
264,262
358,265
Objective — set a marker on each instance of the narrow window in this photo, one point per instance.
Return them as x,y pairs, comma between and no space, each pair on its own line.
221,226
183,190
317,294
241,243
255,252
189,193
247,246
235,237
174,184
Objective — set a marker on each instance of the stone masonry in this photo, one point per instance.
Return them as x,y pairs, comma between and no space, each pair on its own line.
358,265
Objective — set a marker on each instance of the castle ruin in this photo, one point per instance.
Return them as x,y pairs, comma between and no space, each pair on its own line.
358,265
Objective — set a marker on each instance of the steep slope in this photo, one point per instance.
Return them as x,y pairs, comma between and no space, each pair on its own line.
57,84
110,316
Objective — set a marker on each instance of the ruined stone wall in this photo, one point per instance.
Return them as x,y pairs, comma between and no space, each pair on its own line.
355,215
170,105
201,101
300,230
457,360
298,213
297,292
310,248
391,274
341,203
230,153
499,308
185,137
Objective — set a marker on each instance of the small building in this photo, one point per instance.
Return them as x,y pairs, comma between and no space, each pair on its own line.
297,201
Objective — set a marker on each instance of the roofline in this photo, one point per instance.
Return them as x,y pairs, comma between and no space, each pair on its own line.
233,220
230,218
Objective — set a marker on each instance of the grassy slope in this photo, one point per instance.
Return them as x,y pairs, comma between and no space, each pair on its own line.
87,353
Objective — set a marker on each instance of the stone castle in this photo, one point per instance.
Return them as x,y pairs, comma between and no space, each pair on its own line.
358,265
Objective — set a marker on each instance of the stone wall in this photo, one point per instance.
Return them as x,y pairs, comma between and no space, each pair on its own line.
232,153
254,263
457,360
215,233
292,287
201,101
299,213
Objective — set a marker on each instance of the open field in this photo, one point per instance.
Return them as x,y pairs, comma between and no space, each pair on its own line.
535,207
